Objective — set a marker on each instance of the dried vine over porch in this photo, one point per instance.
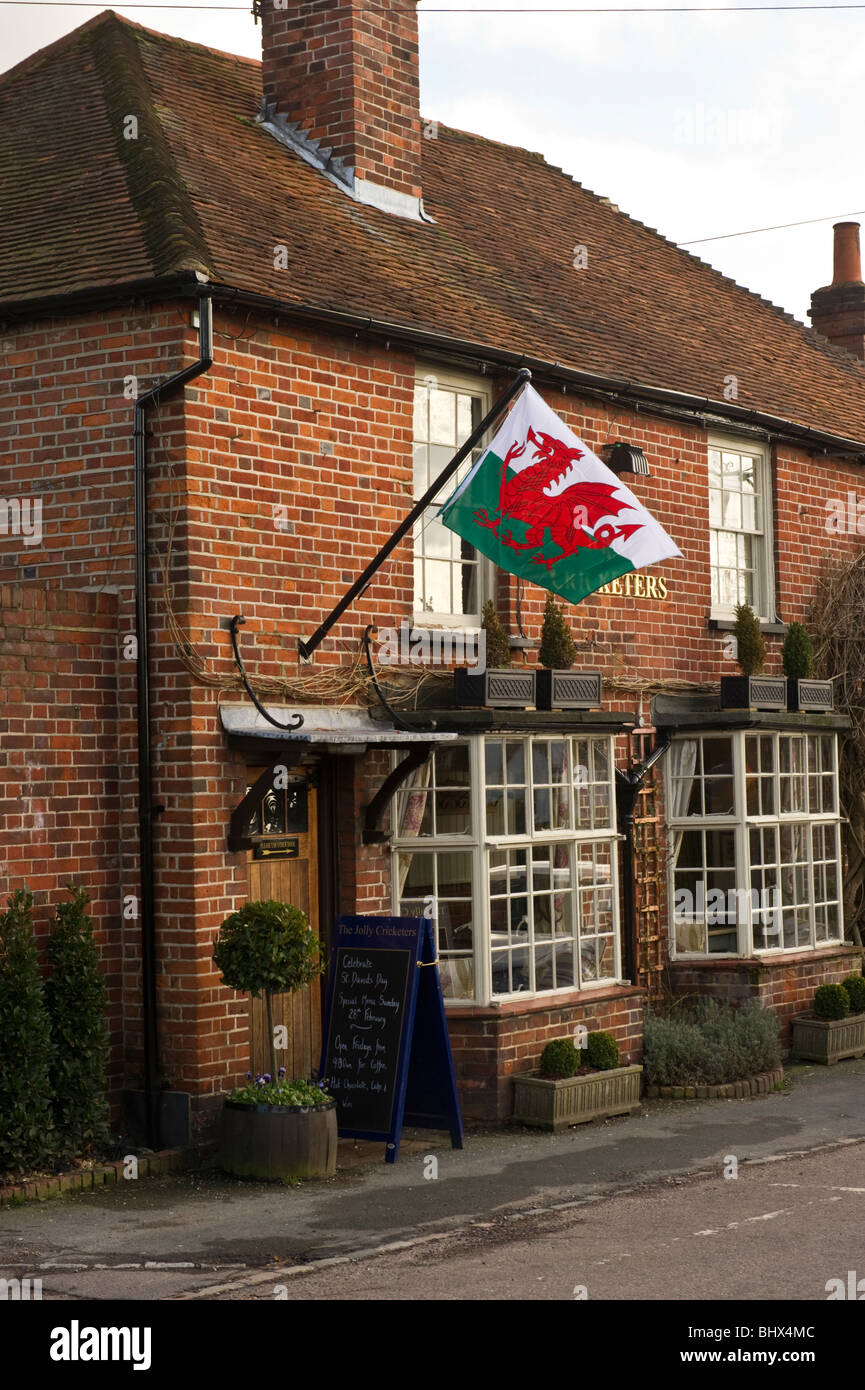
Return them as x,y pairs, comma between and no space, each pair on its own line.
838,629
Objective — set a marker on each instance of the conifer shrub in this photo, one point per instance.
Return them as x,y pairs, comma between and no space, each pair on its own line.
559,1058
710,1043
498,651
558,650
602,1052
76,999
831,1001
797,653
26,1054
750,642
855,987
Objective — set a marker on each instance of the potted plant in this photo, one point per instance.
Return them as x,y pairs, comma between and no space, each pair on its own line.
751,690
499,685
836,1027
797,658
568,1091
557,686
273,1128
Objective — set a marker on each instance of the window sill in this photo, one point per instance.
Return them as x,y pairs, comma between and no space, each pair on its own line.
538,1003
723,624
787,955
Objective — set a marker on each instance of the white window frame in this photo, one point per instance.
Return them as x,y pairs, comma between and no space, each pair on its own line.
764,571
479,844
740,823
475,386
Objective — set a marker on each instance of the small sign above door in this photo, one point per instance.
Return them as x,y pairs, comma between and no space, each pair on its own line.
282,848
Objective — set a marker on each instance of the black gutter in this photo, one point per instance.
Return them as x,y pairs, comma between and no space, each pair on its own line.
146,809
680,403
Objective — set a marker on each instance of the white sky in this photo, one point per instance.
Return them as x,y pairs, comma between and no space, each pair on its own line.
693,124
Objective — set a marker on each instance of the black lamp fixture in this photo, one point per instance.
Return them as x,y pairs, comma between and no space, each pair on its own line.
627,458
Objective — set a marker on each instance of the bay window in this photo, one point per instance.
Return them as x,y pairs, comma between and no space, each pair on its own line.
509,844
754,843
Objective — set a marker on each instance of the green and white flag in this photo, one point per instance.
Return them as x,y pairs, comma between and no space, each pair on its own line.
541,505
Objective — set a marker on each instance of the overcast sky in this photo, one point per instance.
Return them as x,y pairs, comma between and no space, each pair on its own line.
696,124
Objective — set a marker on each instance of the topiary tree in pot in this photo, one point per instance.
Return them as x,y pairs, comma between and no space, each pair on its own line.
498,648
556,686
557,650
854,985
750,691
750,642
797,653
831,1002
798,661
275,1127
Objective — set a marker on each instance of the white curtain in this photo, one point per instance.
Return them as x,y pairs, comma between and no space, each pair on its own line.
683,763
413,809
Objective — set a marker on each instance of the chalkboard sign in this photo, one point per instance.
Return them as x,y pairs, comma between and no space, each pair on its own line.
385,1037
365,1033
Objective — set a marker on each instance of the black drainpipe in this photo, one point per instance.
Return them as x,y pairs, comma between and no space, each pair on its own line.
628,785
146,809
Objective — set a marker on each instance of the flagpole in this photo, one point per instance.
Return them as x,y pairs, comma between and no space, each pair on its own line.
307,648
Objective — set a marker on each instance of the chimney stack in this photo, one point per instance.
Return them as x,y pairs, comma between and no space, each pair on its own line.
838,310
340,83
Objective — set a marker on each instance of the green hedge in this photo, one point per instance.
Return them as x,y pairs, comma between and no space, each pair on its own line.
53,1039
26,1053
710,1043
76,999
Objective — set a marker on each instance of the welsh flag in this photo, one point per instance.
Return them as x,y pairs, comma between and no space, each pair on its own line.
541,505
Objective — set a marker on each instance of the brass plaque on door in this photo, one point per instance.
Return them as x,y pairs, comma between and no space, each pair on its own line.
277,849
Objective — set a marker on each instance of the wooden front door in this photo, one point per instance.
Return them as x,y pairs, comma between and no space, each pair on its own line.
283,864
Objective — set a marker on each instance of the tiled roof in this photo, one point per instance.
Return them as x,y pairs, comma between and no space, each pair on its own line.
203,187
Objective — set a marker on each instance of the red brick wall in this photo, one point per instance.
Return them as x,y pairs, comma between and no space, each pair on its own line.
59,792
490,1046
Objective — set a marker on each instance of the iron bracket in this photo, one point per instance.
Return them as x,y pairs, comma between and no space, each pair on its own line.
372,834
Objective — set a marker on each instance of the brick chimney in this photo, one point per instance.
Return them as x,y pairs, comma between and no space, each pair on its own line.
838,310
340,84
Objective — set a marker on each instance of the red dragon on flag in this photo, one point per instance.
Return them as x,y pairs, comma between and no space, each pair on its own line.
560,518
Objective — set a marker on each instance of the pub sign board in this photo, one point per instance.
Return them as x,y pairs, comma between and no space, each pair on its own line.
386,1055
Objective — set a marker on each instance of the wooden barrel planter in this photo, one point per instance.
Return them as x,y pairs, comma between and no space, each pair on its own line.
272,1142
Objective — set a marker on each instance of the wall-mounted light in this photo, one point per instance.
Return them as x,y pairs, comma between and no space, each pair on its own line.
627,458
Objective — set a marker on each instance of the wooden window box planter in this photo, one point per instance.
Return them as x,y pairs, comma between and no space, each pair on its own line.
568,689
809,696
754,692
828,1040
574,1100
497,689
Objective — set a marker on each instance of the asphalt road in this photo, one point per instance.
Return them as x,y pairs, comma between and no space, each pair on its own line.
190,1235
781,1230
